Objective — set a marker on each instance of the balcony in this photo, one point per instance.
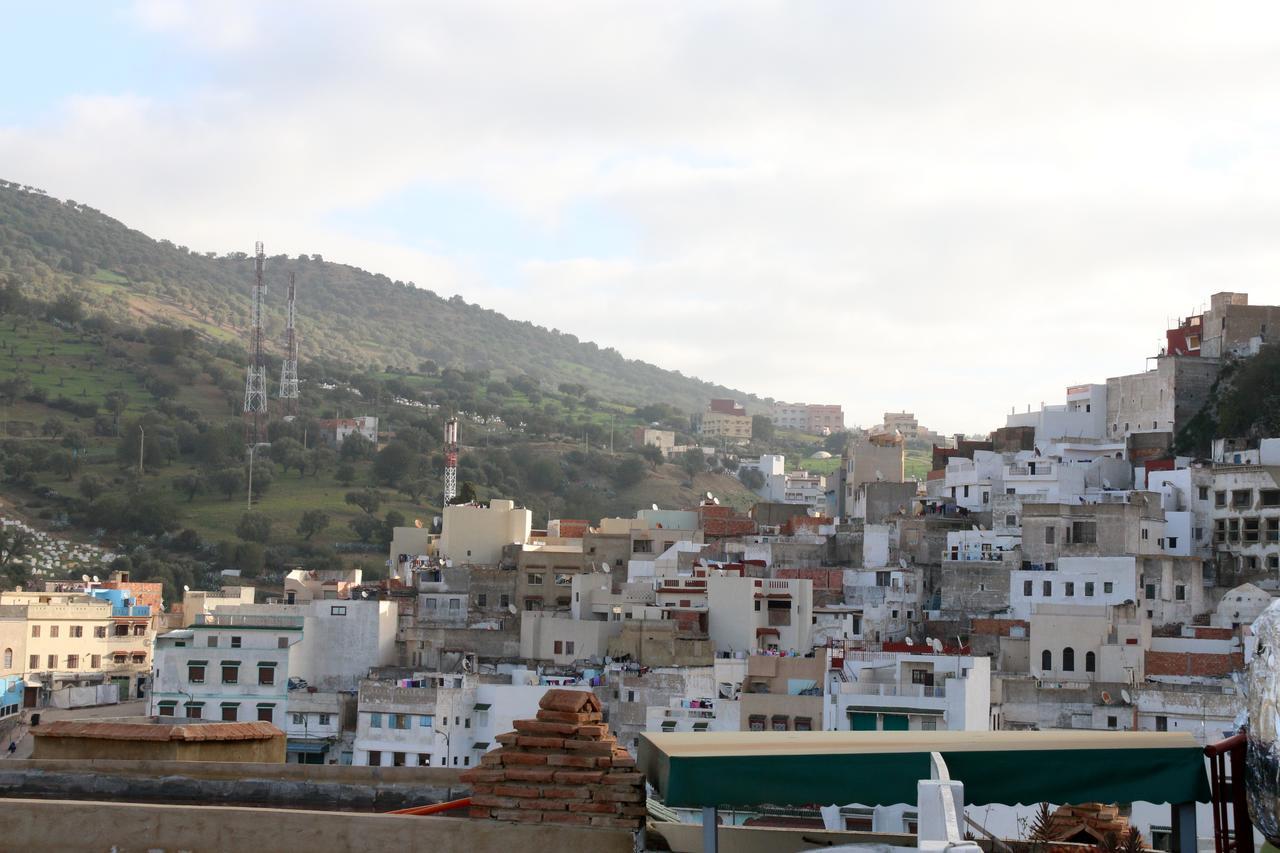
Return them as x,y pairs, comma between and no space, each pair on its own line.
910,691
1039,470
124,610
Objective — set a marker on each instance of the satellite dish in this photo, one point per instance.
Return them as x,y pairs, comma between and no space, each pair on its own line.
95,578
655,506
902,562
512,608
710,496
84,578
1124,694
715,501
936,644
466,665
1106,698
976,528
910,642
1106,484
186,588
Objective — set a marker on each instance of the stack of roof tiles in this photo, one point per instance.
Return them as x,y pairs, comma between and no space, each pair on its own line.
562,767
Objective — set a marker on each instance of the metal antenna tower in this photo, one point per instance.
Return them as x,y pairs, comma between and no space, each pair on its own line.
289,367
255,380
450,460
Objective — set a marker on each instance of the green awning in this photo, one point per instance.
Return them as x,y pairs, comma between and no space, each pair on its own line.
882,709
482,706
744,769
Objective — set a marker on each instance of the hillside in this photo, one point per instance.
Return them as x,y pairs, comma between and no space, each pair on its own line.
50,247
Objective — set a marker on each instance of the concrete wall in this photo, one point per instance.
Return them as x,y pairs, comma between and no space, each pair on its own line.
476,534
261,751
62,825
232,783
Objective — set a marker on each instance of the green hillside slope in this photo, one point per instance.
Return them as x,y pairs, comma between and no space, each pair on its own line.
51,246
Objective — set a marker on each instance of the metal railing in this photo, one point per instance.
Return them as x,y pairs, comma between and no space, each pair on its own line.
1232,829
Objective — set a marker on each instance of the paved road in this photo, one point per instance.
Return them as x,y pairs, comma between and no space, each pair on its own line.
135,708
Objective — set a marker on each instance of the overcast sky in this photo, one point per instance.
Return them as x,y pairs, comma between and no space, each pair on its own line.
953,208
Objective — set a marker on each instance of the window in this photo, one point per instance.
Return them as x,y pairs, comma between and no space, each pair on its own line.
1084,532
1088,589
455,604
338,610
986,497
195,673
1010,520
429,603
1046,660
642,546
1146,534
398,721
267,673
167,709
375,758
558,648
100,631
1242,498
95,661
53,630
8,658
1107,586
1203,492
230,672
1162,724
1173,542
73,661
1111,722
1070,589
53,661
504,601
1149,591
230,713
1219,499
1026,588
1047,587
1050,535
77,630
482,600
424,721
1068,659
195,710
235,642
1180,593
375,721
568,647
1270,497
928,725
1090,661
324,719
282,642
533,579
266,713
34,662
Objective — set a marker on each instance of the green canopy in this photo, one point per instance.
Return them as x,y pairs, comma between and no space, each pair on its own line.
745,769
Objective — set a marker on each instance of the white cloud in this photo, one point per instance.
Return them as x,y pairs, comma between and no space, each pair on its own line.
934,207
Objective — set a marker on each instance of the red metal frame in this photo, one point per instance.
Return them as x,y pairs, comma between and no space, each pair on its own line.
435,808
1232,830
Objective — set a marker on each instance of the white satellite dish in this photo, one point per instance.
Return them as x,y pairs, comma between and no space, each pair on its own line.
936,644
95,578
655,506
186,588
84,578
910,642
1124,694
716,501
902,562
512,608
710,496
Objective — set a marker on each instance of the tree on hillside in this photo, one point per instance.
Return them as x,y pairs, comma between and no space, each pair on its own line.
356,447
629,472
91,486
254,527
228,481
751,478
693,461
392,463
365,527
762,428
367,499
282,449
466,493
346,474
652,454
189,485
312,522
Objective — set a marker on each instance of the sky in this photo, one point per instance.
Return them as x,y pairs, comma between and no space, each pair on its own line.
953,209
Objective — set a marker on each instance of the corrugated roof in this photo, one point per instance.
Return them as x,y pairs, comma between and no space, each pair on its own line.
185,731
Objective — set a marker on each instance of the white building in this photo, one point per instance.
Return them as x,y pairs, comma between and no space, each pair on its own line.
1083,416
472,533
1085,581
341,640
225,667
893,691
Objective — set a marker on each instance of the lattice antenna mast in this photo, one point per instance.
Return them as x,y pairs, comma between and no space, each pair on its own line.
255,381
450,460
289,368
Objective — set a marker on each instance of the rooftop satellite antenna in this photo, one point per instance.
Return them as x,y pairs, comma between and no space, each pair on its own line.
910,642
655,506
715,501
186,588
936,645
95,579
902,562
1124,694
710,496
1106,698
512,608
84,578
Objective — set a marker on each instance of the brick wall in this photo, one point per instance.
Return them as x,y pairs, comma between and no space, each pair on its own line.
998,627
564,767
1214,633
1193,663
822,578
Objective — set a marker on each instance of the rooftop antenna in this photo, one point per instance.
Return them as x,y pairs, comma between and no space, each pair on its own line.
1124,694
289,367
84,578
186,587
255,380
655,506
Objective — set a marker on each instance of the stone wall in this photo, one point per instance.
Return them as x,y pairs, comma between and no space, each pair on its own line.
564,767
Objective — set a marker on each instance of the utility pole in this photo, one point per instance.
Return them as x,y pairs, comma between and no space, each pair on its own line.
142,442
610,434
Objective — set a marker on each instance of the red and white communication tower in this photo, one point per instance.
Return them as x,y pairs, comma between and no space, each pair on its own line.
450,460
255,380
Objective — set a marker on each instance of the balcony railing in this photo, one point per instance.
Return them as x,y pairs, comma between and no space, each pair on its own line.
910,691
135,610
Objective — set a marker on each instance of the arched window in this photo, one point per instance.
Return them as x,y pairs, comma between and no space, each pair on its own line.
8,658
1046,660
1090,662
1068,659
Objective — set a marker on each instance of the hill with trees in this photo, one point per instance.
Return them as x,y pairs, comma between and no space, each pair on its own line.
52,248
